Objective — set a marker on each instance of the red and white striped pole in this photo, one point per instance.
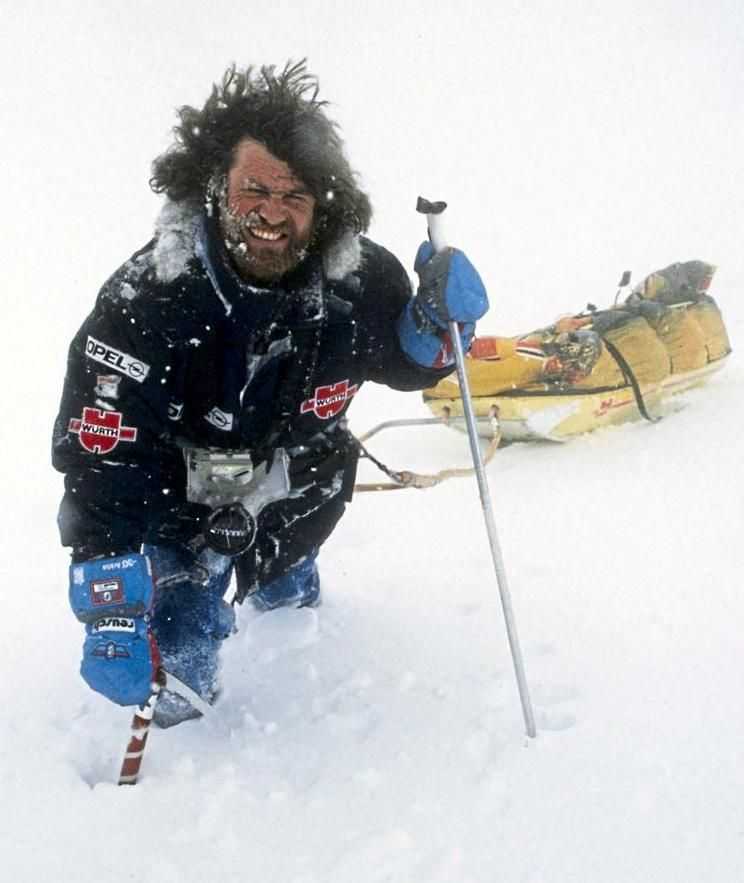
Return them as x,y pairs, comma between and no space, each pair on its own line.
138,739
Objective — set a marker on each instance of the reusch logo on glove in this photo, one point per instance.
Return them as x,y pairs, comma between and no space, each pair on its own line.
101,431
106,591
114,624
329,400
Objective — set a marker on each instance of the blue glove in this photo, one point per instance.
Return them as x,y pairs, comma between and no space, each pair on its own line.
114,597
450,289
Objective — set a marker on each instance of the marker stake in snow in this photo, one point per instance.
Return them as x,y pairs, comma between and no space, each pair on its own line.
433,212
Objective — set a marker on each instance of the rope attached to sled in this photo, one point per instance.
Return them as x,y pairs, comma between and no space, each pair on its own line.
406,478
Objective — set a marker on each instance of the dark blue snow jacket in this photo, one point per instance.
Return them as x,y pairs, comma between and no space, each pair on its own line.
179,351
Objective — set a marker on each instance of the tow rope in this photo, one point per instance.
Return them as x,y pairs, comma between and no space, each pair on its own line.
406,478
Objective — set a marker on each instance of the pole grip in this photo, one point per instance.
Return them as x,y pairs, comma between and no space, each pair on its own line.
436,232
433,212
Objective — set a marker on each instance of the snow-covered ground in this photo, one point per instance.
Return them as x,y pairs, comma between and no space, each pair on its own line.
380,737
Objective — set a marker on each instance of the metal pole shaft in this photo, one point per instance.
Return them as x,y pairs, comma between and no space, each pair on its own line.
498,562
438,240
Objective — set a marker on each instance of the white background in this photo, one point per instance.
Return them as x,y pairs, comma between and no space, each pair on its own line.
381,740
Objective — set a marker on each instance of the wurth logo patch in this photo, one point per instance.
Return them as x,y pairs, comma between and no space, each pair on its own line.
101,431
329,401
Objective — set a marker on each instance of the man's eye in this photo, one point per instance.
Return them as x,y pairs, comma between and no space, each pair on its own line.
297,198
253,191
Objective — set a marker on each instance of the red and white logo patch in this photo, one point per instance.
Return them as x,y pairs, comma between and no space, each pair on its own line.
329,401
101,431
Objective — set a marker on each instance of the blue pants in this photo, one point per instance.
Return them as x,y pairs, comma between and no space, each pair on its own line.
190,619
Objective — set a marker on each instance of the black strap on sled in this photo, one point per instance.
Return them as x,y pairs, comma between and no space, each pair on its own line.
630,378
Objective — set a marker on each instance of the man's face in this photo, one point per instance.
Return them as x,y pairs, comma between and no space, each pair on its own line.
266,213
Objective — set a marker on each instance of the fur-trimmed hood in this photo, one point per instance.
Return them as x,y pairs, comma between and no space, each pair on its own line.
178,227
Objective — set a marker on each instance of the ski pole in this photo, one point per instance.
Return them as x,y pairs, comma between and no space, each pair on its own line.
433,212
143,718
138,739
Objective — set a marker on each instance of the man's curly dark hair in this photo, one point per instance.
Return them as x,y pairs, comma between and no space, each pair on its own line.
282,111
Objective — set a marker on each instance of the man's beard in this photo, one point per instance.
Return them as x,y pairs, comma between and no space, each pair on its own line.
252,259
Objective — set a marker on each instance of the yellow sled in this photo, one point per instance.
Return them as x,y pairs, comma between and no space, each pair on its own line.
597,368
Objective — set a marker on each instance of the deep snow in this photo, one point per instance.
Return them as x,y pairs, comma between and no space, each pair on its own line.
380,737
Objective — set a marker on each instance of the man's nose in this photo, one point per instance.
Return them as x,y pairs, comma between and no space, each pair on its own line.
272,209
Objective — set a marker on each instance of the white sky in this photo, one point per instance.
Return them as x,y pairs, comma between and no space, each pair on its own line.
563,135
572,140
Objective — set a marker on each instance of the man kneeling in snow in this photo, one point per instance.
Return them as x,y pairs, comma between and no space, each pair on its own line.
202,425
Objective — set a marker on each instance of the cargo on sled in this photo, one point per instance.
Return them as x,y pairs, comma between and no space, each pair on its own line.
597,368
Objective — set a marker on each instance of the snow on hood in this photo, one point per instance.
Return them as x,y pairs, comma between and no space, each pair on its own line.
176,230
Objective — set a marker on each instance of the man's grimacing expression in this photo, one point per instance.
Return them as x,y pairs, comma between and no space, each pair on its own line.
266,213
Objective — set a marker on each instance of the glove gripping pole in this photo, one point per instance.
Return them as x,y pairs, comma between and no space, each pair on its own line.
433,212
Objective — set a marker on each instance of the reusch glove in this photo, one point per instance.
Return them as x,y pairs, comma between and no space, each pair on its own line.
114,597
450,289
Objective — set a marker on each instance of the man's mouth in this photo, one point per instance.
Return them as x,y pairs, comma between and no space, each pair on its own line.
266,234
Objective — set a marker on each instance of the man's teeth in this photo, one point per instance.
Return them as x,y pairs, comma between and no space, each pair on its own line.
263,233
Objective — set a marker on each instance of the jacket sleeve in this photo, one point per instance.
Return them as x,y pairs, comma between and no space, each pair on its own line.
385,292
111,434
